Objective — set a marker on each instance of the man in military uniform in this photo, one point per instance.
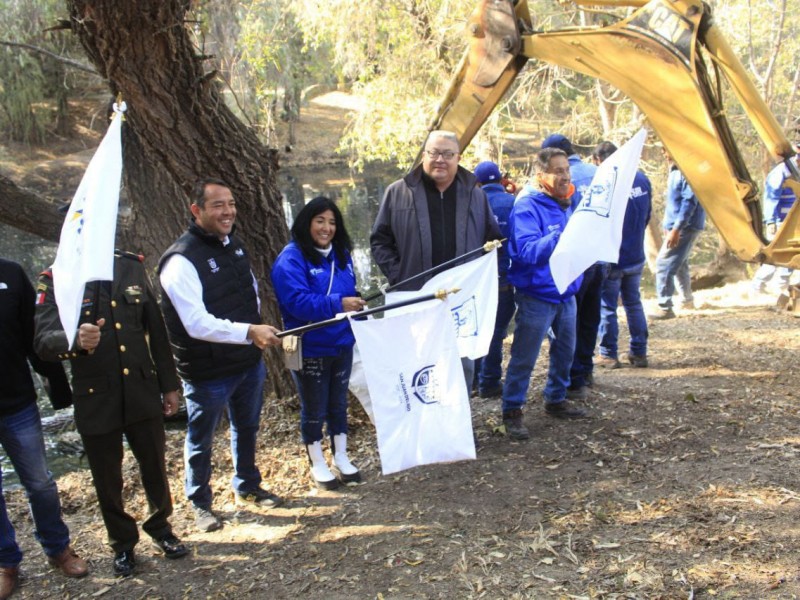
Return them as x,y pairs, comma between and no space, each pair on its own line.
121,367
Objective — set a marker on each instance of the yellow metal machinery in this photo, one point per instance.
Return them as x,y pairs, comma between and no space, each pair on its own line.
658,57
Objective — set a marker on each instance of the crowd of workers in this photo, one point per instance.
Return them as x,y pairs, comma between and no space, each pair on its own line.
131,355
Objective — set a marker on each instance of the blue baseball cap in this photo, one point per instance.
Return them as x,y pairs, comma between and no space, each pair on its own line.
559,141
487,172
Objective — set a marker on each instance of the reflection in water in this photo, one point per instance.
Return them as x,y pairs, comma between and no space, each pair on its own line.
358,196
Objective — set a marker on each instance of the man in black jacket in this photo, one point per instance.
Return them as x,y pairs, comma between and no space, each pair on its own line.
21,432
123,380
212,311
434,214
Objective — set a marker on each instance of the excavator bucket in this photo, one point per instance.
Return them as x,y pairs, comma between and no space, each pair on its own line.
489,67
652,57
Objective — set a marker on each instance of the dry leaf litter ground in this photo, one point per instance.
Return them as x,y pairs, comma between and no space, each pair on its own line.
683,484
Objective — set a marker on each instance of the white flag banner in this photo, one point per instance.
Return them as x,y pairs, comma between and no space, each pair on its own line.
358,384
86,247
474,307
415,379
594,231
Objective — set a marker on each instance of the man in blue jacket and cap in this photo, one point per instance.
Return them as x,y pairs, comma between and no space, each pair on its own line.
587,299
684,221
491,366
536,222
624,278
778,201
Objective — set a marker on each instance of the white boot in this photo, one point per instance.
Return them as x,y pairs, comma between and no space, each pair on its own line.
348,473
320,472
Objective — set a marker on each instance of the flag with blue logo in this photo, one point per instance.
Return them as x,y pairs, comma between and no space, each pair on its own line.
86,247
594,232
474,307
416,385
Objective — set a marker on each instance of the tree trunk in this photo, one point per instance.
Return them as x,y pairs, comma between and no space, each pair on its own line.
178,129
608,100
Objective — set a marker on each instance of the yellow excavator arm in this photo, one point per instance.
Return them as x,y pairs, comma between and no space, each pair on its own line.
657,57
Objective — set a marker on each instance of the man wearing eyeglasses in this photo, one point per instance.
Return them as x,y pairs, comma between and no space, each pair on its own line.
435,213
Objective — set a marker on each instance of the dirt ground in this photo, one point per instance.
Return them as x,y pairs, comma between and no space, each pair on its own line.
682,484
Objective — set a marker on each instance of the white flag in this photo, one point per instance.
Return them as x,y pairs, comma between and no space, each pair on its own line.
594,231
416,383
474,308
358,384
86,248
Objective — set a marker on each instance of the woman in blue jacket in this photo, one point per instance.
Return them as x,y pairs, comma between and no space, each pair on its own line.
314,280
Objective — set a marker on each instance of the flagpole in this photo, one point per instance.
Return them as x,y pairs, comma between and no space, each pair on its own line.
86,244
437,295
487,247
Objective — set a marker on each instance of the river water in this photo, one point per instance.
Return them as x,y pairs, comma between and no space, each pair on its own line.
358,196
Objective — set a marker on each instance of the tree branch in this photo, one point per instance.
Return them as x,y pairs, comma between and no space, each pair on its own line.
27,211
67,61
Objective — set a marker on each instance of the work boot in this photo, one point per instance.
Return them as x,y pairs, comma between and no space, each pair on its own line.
580,392
687,305
8,581
491,392
515,428
640,362
662,314
607,362
348,473
320,472
563,410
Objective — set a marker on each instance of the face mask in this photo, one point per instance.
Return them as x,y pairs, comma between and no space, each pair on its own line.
547,184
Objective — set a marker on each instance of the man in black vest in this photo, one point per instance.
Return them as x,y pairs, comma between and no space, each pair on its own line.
212,310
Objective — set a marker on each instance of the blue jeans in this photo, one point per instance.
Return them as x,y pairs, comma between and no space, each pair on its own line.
22,440
587,322
673,263
625,282
243,396
491,369
534,319
322,386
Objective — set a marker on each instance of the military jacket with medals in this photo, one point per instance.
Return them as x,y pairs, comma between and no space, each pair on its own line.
121,382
